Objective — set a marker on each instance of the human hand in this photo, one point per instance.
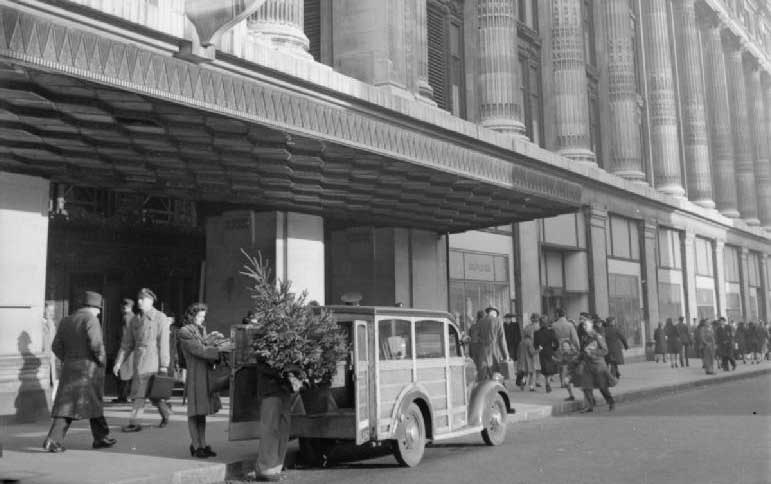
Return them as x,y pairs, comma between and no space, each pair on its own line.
116,370
226,347
295,382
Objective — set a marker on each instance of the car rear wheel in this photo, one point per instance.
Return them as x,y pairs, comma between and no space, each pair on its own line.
494,420
410,443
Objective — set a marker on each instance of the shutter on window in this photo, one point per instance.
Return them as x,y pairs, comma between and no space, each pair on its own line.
312,27
437,54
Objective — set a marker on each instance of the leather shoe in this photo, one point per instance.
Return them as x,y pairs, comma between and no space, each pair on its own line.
586,410
131,428
53,446
209,452
103,443
164,422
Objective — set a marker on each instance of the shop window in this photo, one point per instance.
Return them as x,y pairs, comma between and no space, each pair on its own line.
429,339
704,260
670,249
733,304
732,271
477,280
705,303
446,72
395,339
624,238
625,305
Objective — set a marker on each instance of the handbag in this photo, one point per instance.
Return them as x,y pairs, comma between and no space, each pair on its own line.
219,377
159,386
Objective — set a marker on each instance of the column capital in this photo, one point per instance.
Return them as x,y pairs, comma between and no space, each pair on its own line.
597,216
650,229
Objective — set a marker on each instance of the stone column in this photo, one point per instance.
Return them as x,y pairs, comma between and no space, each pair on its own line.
757,117
425,92
661,99
625,143
721,147
740,128
764,287
689,276
499,77
765,86
280,24
720,276
744,253
571,99
597,225
694,120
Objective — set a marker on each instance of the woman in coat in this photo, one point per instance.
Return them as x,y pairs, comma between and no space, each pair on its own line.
595,371
707,338
545,342
661,343
527,363
198,357
616,345
674,346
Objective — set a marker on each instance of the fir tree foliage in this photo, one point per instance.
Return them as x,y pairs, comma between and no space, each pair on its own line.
290,336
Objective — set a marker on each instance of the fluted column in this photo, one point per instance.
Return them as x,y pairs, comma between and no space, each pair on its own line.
661,99
424,88
499,77
280,23
695,142
571,99
721,147
740,129
625,143
765,85
757,117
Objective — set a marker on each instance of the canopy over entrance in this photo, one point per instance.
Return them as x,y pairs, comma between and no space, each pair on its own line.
86,108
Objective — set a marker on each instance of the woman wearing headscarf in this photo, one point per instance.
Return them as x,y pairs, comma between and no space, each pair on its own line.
707,338
198,356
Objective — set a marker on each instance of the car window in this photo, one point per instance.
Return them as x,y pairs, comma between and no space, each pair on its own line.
361,342
429,339
455,344
394,339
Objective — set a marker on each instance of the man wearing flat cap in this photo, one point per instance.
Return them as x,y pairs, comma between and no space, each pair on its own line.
147,338
492,342
79,345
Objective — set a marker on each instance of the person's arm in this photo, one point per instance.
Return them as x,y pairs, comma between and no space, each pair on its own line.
195,347
623,339
163,349
57,346
95,341
126,346
502,346
574,336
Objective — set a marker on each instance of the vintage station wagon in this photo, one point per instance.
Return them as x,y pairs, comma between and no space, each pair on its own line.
406,382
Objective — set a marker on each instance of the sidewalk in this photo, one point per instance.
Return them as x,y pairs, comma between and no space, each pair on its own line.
161,456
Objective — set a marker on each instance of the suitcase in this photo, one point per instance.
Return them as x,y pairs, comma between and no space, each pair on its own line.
160,386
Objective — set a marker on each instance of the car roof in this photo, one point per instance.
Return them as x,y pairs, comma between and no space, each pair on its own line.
389,311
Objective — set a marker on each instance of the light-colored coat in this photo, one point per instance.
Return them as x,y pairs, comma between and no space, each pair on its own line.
563,329
148,338
197,357
492,345
78,343
127,367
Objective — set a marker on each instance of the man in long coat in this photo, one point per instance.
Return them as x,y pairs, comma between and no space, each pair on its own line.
492,345
685,340
148,339
78,343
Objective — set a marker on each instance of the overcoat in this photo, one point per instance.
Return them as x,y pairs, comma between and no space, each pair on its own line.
661,341
198,356
595,371
547,340
616,342
148,338
492,345
79,344
683,333
674,345
528,360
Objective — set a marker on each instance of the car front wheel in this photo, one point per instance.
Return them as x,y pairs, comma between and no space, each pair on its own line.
494,420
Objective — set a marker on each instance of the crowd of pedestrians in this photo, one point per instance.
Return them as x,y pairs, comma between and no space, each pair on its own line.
719,340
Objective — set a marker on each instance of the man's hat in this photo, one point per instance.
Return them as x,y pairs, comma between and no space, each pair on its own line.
92,299
145,292
491,308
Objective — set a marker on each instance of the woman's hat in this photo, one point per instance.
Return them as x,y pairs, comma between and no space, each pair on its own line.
92,299
490,308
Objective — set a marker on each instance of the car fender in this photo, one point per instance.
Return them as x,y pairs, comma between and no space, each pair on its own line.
408,395
478,397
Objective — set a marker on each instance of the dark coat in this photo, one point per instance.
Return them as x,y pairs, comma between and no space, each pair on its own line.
684,334
595,372
78,343
725,341
674,345
492,346
513,337
197,357
661,341
616,342
547,340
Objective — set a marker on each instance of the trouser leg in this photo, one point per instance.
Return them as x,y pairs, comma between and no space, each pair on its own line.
99,428
589,398
274,416
162,406
59,427
137,410
605,391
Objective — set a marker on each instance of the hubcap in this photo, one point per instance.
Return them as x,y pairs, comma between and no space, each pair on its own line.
411,433
495,417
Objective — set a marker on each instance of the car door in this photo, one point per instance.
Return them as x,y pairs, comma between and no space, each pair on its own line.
456,363
364,384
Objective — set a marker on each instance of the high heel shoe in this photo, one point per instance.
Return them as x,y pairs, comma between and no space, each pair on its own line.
209,452
201,453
